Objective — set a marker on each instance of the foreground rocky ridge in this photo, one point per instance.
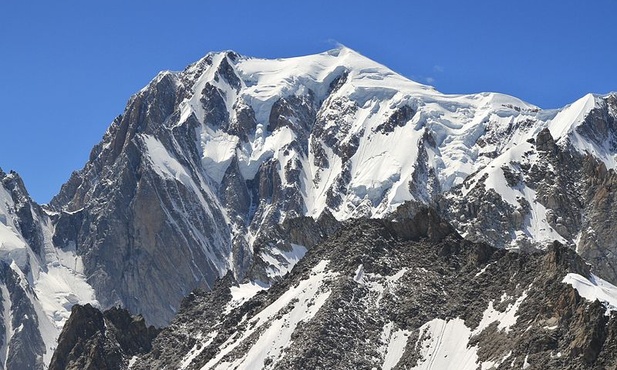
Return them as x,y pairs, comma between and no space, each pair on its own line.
395,295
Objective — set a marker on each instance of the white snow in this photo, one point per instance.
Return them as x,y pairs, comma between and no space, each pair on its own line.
380,172
483,269
594,288
12,245
197,349
359,274
168,167
243,293
251,155
218,149
60,288
132,361
279,261
571,117
505,319
163,162
7,318
396,342
444,345
564,127
53,281
449,137
384,163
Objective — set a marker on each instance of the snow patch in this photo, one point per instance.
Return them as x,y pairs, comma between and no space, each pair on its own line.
197,349
217,151
571,117
505,319
244,292
163,163
395,341
281,262
594,288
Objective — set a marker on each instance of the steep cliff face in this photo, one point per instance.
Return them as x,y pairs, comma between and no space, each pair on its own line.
394,295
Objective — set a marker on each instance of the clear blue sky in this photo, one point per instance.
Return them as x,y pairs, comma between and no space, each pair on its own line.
68,67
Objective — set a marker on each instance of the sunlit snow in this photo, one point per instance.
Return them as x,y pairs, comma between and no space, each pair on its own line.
594,288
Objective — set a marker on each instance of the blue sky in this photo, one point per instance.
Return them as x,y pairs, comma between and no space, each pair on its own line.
68,67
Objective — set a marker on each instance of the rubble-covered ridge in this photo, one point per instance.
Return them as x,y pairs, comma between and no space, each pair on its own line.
395,295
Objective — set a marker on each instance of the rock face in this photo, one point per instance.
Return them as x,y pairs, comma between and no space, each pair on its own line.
395,295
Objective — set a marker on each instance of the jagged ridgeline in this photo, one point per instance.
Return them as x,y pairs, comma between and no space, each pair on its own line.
238,166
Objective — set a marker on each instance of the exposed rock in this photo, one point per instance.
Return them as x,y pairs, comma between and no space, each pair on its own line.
20,336
93,340
399,118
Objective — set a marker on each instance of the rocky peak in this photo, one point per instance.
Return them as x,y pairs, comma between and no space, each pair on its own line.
237,167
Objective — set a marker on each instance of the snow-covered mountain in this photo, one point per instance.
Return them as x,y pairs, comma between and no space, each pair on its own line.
207,161
241,165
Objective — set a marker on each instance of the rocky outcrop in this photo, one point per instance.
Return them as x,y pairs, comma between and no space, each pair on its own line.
92,339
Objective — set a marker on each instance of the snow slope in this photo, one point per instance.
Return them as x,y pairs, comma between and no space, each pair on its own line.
593,289
384,162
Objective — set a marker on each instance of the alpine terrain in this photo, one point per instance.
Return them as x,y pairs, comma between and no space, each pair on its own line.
427,230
